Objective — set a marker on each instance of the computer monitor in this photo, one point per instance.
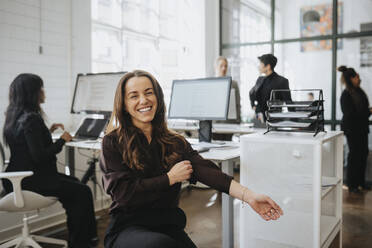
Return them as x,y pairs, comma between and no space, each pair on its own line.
201,99
95,93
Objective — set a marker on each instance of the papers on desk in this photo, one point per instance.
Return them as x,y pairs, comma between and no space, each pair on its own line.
221,145
289,124
199,149
290,114
214,145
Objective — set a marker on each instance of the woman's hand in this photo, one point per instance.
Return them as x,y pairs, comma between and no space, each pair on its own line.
263,205
55,126
180,172
66,136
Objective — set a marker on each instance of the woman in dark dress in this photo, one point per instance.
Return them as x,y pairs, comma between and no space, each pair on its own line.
356,111
144,164
32,149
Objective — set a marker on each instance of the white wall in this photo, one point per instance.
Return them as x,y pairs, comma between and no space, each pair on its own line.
65,38
20,38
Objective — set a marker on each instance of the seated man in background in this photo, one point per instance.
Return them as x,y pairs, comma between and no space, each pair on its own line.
221,67
260,93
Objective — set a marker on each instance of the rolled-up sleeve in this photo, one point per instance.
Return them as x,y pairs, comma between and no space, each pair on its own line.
207,172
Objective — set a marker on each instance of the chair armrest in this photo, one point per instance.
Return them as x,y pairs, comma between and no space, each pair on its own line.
16,178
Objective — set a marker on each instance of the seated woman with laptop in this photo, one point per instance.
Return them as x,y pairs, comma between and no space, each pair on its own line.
32,149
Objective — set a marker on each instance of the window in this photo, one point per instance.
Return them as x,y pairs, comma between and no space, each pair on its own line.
246,21
301,71
243,65
303,43
163,37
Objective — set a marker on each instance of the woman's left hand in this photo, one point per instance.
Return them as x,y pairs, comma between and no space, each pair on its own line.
264,206
55,126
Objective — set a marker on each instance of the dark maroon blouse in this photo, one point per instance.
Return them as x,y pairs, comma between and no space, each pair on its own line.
133,190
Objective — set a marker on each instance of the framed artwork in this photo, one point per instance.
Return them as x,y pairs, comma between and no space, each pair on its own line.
316,21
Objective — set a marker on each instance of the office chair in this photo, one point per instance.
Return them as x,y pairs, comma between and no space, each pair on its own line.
24,201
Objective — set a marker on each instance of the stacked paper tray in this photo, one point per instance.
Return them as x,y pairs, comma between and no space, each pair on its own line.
297,116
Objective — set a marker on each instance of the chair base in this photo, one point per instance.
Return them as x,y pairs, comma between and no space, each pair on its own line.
32,242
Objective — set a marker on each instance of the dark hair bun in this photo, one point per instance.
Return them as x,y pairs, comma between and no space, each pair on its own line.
342,68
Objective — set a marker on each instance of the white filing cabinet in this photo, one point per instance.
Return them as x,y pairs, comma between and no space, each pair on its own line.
303,174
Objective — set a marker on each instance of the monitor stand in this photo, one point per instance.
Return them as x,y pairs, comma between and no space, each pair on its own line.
205,131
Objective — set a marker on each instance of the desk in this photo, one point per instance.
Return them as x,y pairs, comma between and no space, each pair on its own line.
226,156
225,128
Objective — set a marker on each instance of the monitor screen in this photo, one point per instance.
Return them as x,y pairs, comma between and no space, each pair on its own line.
94,93
200,99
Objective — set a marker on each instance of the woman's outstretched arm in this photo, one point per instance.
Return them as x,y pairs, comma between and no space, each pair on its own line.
262,204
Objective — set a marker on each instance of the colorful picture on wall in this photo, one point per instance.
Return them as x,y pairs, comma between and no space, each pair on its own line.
315,21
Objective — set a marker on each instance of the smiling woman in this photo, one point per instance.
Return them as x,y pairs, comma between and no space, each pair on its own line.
144,164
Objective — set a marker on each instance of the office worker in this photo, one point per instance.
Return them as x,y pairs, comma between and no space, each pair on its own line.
221,67
144,164
356,111
260,93
32,149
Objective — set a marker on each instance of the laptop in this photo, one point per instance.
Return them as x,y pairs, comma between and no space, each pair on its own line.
90,129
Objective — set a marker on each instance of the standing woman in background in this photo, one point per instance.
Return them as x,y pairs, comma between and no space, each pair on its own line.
32,149
356,111
144,165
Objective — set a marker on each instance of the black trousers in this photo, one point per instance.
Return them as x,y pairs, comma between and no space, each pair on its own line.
77,200
357,159
141,237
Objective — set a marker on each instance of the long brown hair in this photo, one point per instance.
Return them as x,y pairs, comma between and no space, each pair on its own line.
127,134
